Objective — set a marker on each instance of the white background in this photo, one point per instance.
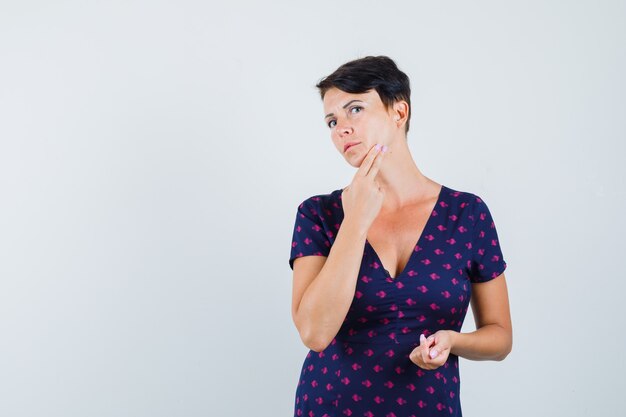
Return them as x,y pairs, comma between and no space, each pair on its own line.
153,154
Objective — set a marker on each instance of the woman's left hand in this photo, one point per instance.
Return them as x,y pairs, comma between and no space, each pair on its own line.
432,351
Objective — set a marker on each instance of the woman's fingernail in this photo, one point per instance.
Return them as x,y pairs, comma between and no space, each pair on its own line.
385,148
377,146
433,353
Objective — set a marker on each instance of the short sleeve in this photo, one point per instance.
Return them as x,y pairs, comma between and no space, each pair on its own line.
309,235
487,261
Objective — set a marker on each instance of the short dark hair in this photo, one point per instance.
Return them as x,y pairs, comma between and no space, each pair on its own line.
363,74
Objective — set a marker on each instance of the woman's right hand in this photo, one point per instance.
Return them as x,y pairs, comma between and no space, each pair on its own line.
363,198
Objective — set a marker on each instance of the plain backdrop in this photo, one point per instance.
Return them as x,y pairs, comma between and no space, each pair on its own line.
153,154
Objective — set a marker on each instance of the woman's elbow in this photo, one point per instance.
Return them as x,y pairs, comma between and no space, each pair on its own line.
505,352
317,348
312,337
316,344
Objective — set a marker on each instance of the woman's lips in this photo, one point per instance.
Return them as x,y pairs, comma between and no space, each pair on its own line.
350,145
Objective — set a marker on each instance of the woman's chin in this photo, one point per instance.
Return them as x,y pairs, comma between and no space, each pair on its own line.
355,162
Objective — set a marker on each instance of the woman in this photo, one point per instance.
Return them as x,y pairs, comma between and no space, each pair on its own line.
385,268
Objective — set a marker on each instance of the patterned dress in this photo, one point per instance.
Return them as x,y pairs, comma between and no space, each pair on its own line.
366,370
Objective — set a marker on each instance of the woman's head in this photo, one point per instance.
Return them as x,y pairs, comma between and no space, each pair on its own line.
366,101
371,72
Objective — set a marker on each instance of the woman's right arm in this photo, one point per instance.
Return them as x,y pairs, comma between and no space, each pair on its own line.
324,287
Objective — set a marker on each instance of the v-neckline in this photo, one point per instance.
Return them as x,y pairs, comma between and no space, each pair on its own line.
418,242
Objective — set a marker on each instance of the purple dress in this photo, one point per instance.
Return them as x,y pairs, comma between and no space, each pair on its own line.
366,370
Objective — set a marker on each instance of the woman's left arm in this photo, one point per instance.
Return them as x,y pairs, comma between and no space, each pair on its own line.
493,337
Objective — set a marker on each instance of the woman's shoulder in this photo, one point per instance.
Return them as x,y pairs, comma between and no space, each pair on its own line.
462,196
323,202
468,202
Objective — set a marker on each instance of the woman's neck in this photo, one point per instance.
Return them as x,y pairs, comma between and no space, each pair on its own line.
402,181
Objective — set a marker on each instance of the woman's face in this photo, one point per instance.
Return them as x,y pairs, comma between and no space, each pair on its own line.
357,122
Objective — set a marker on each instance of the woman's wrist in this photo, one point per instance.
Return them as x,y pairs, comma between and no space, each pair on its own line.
487,343
453,339
355,228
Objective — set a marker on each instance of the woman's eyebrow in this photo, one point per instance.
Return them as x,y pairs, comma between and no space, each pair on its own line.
344,106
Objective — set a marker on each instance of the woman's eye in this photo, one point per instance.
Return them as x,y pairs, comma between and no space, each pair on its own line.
356,107
359,108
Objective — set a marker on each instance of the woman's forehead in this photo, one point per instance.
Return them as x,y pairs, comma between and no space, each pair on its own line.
336,98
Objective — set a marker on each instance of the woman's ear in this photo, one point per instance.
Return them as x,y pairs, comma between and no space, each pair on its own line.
401,108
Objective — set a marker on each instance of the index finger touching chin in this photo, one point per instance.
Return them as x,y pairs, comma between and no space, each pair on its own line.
368,160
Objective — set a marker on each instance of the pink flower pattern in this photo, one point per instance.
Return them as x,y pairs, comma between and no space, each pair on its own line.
366,370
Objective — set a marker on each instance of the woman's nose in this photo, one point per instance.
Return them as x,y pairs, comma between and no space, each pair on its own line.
343,128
